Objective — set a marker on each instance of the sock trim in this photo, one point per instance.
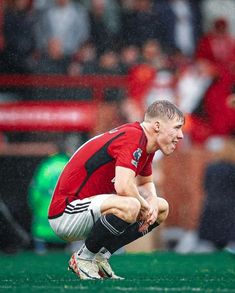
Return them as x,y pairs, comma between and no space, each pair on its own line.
109,226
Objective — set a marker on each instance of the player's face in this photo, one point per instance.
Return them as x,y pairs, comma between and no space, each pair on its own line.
169,132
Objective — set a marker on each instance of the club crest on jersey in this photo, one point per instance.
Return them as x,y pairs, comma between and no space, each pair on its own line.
137,154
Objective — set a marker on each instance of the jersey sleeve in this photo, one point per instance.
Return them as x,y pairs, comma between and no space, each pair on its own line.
127,150
128,156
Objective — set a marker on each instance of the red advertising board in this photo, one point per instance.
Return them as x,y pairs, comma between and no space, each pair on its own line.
47,116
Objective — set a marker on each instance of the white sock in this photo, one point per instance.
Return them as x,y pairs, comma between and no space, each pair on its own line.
84,253
103,253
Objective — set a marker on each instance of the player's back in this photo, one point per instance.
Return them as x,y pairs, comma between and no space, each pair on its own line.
91,169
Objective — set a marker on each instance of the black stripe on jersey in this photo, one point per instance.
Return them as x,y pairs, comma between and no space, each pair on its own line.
98,159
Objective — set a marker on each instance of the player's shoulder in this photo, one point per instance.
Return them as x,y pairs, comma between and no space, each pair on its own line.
128,128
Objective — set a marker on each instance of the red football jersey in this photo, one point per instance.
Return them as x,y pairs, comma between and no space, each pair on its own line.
91,170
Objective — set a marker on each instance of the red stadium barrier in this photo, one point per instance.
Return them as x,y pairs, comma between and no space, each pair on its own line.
54,116
97,82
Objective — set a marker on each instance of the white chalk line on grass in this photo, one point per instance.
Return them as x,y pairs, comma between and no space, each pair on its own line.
130,289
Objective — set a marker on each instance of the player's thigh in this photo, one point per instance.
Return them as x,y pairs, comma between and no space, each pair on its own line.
78,218
125,207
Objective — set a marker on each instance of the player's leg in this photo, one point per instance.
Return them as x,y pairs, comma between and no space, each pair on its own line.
132,232
122,211
115,214
129,235
75,223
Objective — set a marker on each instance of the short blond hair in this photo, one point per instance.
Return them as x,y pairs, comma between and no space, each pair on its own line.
163,109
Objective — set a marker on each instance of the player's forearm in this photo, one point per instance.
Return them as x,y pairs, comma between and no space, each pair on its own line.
130,189
147,190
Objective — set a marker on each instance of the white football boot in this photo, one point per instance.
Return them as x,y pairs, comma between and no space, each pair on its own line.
105,269
84,269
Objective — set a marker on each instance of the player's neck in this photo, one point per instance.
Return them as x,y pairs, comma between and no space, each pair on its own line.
150,134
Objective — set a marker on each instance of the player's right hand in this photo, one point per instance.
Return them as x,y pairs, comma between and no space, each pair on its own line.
144,210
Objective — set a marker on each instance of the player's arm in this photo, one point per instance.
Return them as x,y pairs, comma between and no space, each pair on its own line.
146,188
125,185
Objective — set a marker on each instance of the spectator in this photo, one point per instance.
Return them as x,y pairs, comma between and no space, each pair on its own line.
213,9
217,222
150,79
216,227
139,23
41,188
62,30
109,63
163,84
214,116
84,60
180,24
129,57
193,81
217,45
153,55
19,38
105,23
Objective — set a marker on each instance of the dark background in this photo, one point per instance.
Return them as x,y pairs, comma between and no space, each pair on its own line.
15,176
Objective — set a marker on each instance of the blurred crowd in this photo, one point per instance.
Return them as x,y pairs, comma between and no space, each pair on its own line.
181,50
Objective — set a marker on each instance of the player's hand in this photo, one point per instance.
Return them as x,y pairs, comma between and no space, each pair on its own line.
144,210
151,219
152,216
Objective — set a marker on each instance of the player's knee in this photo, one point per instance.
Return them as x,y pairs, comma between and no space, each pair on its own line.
163,210
131,209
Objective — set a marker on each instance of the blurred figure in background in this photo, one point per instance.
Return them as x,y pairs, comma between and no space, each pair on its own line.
213,116
139,23
84,60
40,191
129,57
62,30
19,38
193,81
217,222
104,18
218,44
109,63
180,24
213,128
148,80
213,9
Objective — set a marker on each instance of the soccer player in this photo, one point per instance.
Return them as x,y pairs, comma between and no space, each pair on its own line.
106,195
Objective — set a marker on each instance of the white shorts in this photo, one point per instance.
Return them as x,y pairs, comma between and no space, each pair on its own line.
78,218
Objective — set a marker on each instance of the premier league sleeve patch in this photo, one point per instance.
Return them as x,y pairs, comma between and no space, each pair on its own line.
136,155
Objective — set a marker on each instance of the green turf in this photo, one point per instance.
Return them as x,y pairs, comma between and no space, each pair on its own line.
157,272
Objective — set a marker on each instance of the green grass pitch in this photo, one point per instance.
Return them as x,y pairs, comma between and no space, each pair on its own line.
154,272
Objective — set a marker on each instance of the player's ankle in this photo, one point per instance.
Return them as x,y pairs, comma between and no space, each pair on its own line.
103,254
85,253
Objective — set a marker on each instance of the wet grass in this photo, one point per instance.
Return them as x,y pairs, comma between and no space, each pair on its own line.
155,272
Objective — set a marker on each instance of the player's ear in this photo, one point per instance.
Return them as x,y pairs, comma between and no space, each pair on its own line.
156,126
